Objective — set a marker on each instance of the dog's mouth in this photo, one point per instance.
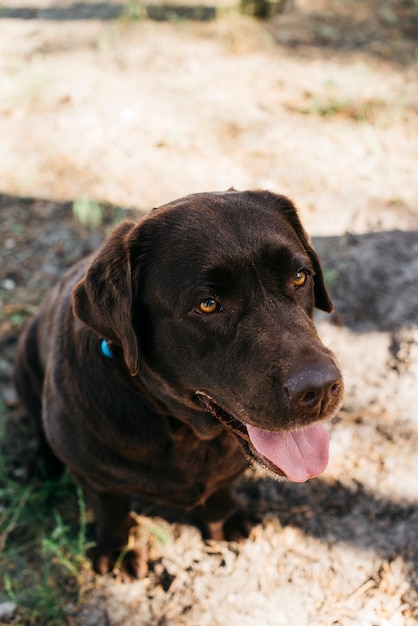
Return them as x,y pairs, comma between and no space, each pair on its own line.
297,454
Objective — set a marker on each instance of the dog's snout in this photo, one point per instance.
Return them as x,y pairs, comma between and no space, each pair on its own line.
315,386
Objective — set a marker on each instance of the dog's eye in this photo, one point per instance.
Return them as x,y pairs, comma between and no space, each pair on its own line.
209,305
300,279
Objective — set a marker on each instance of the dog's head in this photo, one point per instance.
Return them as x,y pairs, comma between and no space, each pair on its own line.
211,298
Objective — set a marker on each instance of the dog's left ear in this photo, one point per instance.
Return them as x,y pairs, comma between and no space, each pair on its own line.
102,299
322,298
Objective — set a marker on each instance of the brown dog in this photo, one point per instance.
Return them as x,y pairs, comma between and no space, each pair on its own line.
179,352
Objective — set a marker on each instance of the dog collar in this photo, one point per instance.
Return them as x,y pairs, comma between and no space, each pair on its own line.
106,351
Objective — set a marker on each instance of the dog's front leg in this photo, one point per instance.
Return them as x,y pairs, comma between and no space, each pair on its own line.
118,549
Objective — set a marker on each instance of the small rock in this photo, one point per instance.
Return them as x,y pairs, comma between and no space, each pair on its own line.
8,284
5,368
7,611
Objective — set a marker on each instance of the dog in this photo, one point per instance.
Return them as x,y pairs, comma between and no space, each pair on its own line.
179,353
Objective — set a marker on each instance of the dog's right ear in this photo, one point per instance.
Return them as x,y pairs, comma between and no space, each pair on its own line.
322,297
102,299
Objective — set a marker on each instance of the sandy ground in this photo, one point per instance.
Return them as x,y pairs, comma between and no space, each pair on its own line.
324,108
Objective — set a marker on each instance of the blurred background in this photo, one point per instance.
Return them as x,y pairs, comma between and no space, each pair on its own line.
319,102
108,109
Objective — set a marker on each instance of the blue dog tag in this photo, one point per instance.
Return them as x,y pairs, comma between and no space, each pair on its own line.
105,349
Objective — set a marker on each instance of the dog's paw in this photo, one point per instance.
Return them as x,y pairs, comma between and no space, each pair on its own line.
236,527
128,565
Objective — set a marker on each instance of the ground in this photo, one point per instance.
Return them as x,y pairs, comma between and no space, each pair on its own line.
102,106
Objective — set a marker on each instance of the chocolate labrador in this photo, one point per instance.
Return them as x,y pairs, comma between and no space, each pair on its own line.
179,353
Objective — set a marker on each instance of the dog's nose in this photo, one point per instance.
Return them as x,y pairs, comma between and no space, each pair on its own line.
315,385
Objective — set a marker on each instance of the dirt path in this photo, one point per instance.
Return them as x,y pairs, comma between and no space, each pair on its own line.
324,109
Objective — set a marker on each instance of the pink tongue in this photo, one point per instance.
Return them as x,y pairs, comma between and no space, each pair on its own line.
299,454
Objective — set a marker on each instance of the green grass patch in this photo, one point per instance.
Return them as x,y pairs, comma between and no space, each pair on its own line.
369,111
43,530
93,216
88,212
